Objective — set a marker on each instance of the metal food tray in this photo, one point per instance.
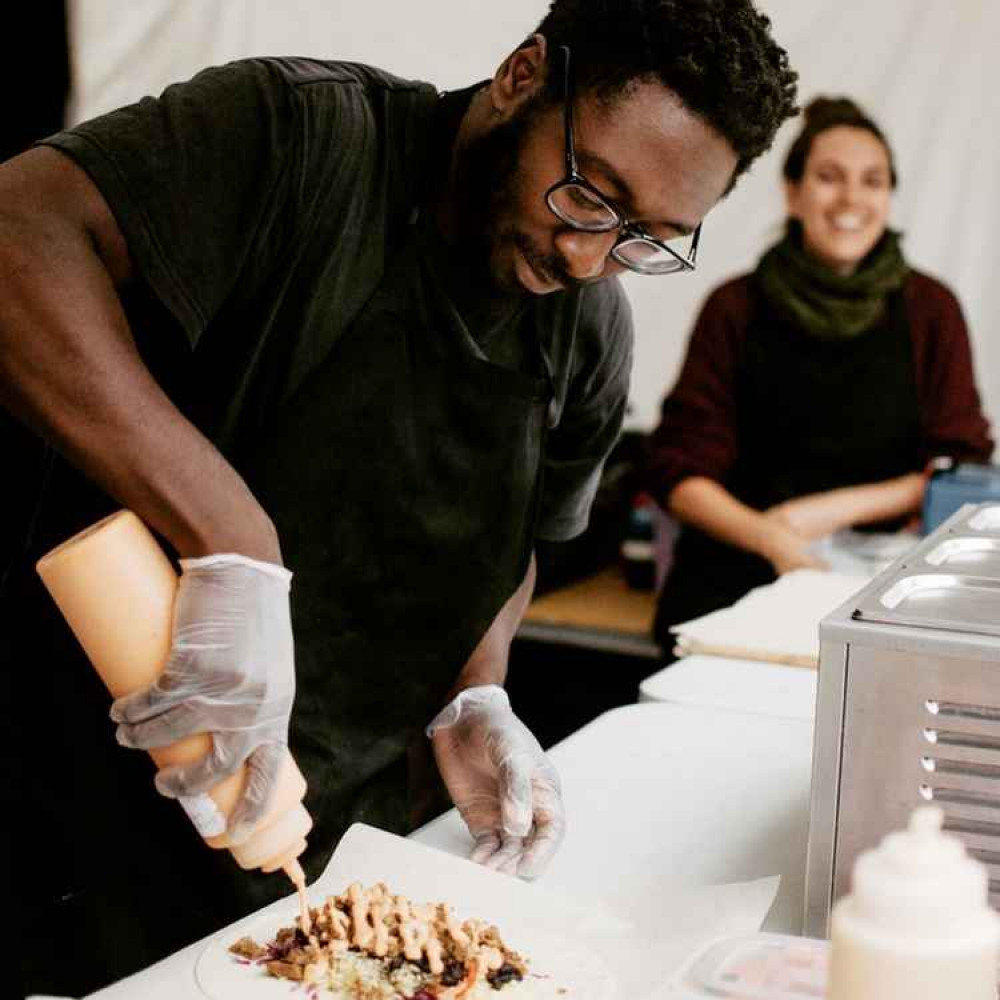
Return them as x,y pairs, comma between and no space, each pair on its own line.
949,601
965,554
983,520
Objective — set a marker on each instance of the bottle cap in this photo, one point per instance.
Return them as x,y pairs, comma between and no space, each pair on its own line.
921,879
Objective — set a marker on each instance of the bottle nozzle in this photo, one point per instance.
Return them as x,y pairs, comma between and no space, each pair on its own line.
926,821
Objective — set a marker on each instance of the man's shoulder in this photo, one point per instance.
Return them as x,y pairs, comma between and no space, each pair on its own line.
303,74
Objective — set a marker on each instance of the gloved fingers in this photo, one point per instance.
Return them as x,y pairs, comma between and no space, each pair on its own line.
487,844
478,808
508,858
161,730
170,690
263,766
202,775
141,705
544,841
516,794
505,860
504,853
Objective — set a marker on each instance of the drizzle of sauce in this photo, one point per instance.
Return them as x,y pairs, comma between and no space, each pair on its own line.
294,871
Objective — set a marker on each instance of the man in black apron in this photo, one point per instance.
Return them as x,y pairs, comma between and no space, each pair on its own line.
314,303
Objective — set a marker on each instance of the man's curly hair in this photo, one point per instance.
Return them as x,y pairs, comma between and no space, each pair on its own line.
718,56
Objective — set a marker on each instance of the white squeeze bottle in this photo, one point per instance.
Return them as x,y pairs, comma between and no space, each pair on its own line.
115,587
917,924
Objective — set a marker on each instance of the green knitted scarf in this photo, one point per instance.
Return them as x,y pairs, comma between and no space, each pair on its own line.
831,306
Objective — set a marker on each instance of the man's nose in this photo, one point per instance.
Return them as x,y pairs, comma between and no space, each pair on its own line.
585,254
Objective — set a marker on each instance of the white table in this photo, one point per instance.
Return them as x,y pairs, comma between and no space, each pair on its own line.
742,685
658,795
661,794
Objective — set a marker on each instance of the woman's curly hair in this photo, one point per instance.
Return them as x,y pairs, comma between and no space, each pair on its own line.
718,56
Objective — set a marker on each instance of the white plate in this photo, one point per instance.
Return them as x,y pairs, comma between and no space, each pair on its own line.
567,971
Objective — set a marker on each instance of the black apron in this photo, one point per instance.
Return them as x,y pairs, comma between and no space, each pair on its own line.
404,479
814,415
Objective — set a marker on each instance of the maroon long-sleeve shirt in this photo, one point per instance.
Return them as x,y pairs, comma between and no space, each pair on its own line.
699,431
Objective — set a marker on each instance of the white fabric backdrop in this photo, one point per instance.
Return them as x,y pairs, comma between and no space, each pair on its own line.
926,70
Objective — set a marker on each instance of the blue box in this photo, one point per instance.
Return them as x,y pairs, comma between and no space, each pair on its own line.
949,489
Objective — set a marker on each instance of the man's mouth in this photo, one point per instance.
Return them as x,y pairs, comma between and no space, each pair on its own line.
531,274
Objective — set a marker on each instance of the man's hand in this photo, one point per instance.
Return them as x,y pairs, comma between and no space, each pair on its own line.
231,673
501,781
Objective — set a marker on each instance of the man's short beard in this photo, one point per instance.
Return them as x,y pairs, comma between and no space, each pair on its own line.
484,198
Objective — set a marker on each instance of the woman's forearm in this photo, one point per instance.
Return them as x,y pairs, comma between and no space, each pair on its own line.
710,507
886,500
819,514
707,505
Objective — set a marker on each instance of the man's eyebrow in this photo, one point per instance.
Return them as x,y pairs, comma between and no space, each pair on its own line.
591,159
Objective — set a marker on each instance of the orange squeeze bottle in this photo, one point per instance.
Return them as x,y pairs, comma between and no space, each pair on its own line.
115,587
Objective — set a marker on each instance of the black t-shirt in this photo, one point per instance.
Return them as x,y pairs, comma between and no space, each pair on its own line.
260,202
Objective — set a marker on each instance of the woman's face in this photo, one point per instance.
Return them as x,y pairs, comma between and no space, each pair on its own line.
844,196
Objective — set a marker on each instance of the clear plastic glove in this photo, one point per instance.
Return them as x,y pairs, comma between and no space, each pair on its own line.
498,776
231,673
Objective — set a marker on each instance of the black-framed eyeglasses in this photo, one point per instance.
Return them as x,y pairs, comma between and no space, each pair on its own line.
576,202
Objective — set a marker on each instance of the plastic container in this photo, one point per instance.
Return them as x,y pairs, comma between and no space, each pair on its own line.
115,587
917,923
951,486
756,967
637,550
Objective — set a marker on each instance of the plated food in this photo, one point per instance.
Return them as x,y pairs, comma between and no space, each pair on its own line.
369,944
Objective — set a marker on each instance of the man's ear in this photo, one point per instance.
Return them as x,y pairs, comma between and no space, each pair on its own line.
520,76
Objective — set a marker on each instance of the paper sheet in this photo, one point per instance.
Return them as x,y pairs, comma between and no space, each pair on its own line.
676,922
778,622
624,956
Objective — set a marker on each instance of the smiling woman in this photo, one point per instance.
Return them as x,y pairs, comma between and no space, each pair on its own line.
839,178
816,389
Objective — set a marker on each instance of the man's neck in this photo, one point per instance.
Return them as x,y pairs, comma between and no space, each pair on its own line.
446,210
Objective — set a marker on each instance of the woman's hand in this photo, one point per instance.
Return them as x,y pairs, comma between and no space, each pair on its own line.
814,516
785,549
817,515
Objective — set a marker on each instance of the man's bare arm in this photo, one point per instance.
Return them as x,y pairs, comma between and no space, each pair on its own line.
69,366
488,662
